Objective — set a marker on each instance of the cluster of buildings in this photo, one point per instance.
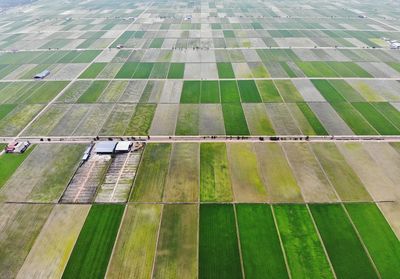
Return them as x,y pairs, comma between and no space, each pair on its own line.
111,147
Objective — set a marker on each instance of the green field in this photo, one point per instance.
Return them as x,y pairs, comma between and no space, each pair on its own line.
177,243
190,92
234,120
218,243
312,119
140,122
6,109
268,91
379,239
377,120
343,178
135,248
176,70
93,70
46,92
127,70
261,250
353,119
229,91
347,255
93,248
188,120
93,92
225,70
215,184
156,43
150,180
304,252
143,70
328,91
248,91
209,92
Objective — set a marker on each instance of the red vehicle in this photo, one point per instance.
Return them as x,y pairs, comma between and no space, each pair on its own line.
11,147
17,147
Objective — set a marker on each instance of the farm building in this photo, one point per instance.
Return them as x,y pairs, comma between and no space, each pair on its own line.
42,75
123,146
105,147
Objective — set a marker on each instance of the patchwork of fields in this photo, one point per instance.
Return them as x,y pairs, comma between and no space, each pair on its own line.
190,205
209,209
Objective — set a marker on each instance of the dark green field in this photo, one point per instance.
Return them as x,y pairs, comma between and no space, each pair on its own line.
259,242
378,237
143,70
191,92
209,92
218,243
225,70
347,255
312,119
377,120
248,91
93,248
234,120
127,70
176,70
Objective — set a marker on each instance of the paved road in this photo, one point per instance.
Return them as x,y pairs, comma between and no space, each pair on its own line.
199,139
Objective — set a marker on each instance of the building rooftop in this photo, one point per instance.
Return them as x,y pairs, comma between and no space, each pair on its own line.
123,146
105,147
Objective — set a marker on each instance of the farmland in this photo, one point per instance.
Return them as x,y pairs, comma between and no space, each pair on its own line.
267,133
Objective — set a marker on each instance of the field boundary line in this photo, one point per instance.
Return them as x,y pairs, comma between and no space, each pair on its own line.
136,175
234,200
378,205
289,272
167,174
52,101
361,241
321,241
119,176
116,240
198,218
77,167
238,240
342,204
198,240
72,81
76,240
157,242
339,198
282,147
308,210
261,173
